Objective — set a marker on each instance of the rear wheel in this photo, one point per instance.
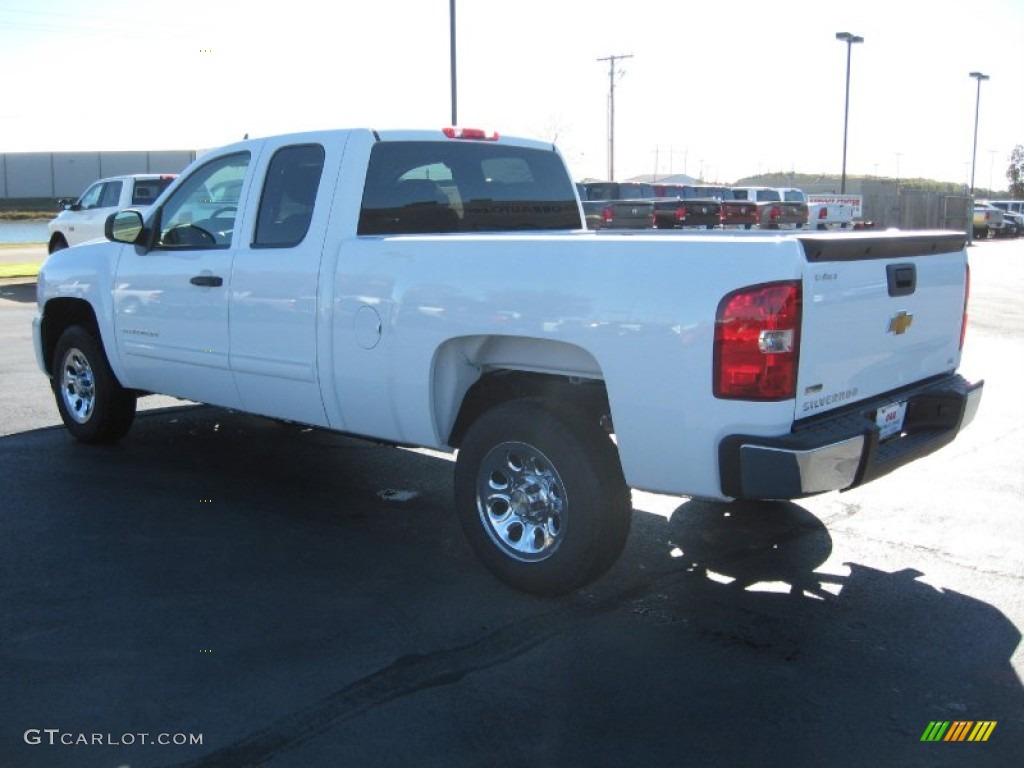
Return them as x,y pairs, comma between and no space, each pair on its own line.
93,405
541,497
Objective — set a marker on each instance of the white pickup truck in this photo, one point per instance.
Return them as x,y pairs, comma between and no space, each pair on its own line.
437,288
834,211
83,219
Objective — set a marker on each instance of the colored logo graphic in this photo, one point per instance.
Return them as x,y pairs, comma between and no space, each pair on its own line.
959,730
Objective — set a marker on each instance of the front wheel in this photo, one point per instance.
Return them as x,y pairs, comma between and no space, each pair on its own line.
57,243
93,405
541,497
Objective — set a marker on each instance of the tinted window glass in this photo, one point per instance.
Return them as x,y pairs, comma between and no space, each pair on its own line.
201,212
148,190
602,191
634,191
111,194
458,186
289,194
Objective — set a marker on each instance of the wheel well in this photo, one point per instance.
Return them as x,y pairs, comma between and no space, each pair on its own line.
587,396
57,237
61,314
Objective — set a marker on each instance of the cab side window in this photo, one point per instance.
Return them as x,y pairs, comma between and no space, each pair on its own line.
202,211
111,194
289,196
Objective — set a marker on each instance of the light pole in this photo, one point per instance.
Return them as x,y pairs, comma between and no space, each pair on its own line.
974,154
977,107
849,39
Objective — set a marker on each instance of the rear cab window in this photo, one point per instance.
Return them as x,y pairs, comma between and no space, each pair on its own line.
424,187
148,190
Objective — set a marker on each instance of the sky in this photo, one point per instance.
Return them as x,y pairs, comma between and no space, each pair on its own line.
718,90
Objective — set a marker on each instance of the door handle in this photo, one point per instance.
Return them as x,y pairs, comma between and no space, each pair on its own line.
207,281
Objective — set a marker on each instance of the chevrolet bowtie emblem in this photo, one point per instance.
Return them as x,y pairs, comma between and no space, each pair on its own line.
900,322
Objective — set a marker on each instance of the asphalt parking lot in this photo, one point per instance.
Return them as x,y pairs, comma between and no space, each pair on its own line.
297,598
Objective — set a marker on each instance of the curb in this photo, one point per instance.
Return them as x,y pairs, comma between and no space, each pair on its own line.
24,269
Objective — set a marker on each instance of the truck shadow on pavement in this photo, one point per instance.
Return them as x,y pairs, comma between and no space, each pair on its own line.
303,598
19,292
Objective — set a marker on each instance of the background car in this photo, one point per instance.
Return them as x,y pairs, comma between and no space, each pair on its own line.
987,218
1013,224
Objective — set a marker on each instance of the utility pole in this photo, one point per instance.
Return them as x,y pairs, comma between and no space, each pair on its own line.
451,19
612,74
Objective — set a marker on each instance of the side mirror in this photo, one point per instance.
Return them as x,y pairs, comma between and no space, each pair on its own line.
123,226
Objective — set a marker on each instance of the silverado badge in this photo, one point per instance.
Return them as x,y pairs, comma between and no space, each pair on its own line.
900,322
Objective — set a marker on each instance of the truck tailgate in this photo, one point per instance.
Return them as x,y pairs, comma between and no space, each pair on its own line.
879,313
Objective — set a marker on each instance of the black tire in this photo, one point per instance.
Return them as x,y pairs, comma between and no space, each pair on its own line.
57,243
93,405
566,496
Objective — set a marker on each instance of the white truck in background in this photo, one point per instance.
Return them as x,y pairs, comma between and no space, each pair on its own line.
437,288
83,220
834,211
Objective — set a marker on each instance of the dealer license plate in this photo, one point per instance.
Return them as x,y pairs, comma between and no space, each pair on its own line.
889,419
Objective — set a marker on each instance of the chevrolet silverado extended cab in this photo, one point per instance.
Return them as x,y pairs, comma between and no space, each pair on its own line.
83,219
437,288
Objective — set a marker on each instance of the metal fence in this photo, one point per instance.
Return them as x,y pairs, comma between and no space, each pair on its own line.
909,209
67,174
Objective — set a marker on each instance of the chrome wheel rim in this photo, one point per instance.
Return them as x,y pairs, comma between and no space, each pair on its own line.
522,501
77,385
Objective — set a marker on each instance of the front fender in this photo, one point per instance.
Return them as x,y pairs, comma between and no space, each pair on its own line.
84,273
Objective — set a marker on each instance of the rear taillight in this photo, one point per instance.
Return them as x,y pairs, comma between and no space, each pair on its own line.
681,213
607,215
775,213
967,296
757,342
823,213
